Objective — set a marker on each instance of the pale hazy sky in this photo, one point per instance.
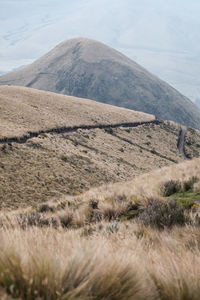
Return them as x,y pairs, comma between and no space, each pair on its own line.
163,36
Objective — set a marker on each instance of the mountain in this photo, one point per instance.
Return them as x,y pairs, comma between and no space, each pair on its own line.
89,69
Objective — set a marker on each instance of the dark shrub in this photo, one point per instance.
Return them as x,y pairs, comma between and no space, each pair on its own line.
188,185
64,158
93,203
35,219
109,130
170,187
161,215
45,208
94,214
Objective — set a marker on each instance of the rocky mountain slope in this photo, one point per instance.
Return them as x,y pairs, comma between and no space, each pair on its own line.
89,69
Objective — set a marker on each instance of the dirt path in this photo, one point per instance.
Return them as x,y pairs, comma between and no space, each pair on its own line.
23,139
181,141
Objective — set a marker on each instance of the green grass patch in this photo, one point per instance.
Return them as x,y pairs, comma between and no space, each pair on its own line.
186,199
129,215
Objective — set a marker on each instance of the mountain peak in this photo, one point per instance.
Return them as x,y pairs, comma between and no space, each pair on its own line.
86,68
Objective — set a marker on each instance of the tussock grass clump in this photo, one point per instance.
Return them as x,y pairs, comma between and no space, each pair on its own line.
90,270
66,218
173,276
189,184
48,264
110,280
118,206
112,261
30,278
170,187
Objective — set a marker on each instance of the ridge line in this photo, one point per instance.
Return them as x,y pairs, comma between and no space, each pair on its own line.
23,139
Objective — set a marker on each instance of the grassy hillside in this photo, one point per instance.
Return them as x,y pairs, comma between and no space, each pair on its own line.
153,254
95,212
24,109
55,163
89,69
70,163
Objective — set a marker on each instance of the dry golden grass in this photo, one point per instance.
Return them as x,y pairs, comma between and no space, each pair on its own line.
25,109
53,165
82,247
120,201
146,186
130,263
79,248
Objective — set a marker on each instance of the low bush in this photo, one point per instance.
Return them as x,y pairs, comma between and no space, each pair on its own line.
93,203
64,158
189,184
170,187
161,215
36,219
45,207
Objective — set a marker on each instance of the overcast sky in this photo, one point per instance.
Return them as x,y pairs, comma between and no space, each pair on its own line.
162,36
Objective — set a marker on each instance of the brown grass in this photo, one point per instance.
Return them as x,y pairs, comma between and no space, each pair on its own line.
82,247
133,263
120,201
67,253
25,109
148,185
53,165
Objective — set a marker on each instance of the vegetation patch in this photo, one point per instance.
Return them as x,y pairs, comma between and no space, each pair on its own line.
187,199
161,215
170,187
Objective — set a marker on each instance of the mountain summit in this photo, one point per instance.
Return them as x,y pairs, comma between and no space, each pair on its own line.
89,69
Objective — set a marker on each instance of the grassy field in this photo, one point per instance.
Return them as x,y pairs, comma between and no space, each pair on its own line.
86,249
98,214
53,165
131,263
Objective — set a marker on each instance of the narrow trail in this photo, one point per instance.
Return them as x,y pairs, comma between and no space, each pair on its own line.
23,139
181,142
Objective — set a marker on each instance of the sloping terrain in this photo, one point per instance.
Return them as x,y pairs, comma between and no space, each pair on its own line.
23,110
122,241
84,154
147,186
89,69
139,236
